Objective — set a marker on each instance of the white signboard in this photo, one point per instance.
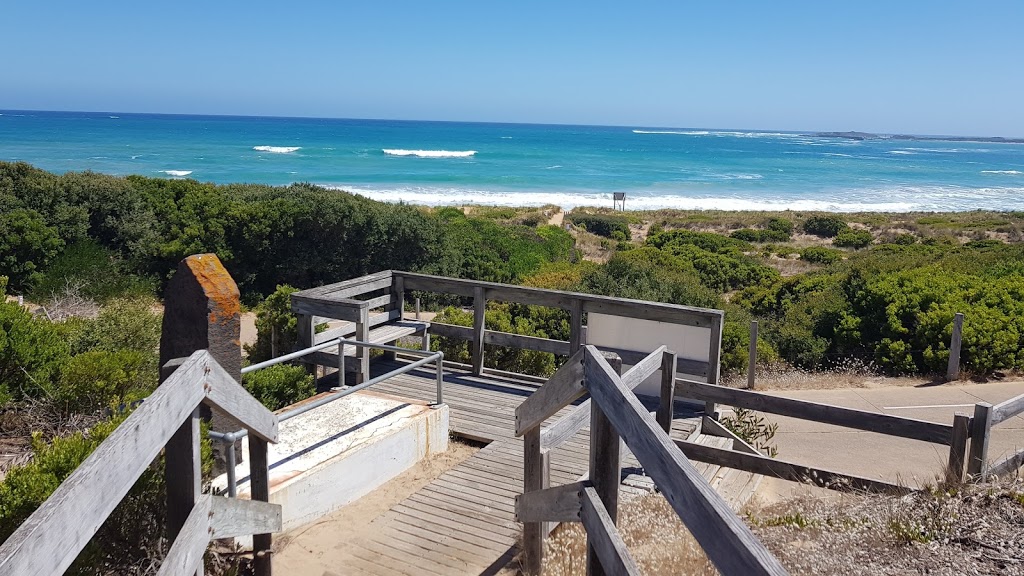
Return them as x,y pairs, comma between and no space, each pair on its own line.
645,336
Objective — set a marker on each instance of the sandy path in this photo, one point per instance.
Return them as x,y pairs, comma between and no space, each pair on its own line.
557,219
322,548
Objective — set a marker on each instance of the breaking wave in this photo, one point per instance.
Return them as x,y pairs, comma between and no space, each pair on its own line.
1008,172
430,153
277,149
177,173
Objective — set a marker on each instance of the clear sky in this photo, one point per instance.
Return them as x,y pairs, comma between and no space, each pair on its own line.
927,67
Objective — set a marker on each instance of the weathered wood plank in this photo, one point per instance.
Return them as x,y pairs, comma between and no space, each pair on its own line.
186,553
605,464
1008,465
227,395
51,538
603,538
683,365
958,448
981,430
379,301
567,426
1008,409
726,540
824,413
562,389
477,344
559,347
666,406
341,309
536,477
557,504
231,517
340,289
759,464
575,325
953,367
713,427
259,486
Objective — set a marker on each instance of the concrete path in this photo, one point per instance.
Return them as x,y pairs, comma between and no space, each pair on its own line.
887,457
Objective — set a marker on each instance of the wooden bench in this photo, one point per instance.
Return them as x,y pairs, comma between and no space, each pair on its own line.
366,309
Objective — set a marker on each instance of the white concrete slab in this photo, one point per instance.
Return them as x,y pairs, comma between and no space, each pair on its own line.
340,451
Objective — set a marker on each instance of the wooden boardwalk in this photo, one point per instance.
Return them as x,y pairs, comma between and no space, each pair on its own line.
463,521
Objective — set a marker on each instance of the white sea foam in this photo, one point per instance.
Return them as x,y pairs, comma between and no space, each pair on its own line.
902,152
277,149
113,117
890,199
177,173
430,153
837,154
556,166
1007,172
677,132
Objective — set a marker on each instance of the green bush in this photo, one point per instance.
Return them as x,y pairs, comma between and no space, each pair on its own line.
32,350
280,385
820,255
102,379
602,224
856,239
515,319
27,244
123,324
903,239
824,226
96,272
274,319
779,225
752,235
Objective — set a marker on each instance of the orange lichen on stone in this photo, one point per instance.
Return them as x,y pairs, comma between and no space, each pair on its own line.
218,286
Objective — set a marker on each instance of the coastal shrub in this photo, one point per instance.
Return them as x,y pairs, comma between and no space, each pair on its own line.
27,244
736,342
133,534
279,386
820,255
753,429
516,319
276,326
649,274
123,324
779,225
32,351
708,241
903,239
850,238
93,271
601,224
101,379
824,226
766,235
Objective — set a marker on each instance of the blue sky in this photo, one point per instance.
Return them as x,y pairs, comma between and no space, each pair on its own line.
896,66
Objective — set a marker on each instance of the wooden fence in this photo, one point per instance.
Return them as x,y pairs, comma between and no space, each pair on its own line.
985,417
52,537
353,300
616,413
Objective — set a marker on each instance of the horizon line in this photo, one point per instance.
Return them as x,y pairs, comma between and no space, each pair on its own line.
632,126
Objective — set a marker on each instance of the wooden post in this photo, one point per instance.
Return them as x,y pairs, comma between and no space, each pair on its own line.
479,309
397,305
605,465
363,353
259,484
958,449
202,311
981,429
183,472
752,361
536,476
666,408
417,307
575,325
953,370
304,335
714,362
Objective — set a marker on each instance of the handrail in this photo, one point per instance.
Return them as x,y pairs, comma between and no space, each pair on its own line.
1007,409
618,413
229,438
51,538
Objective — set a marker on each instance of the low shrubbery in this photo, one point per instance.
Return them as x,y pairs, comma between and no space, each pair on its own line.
820,255
279,386
850,238
824,226
602,224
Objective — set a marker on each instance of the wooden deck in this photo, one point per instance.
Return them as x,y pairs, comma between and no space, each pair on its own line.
463,522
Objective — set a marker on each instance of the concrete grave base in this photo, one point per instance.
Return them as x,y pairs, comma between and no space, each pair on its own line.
338,452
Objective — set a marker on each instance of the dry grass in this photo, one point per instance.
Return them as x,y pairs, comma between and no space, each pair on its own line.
593,247
852,373
653,533
973,529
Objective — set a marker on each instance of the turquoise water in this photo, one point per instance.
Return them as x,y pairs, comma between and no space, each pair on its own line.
520,164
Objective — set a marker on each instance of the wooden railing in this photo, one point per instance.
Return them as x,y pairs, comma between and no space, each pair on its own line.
52,537
986,416
616,413
353,300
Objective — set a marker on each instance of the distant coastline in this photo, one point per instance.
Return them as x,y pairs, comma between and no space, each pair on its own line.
912,138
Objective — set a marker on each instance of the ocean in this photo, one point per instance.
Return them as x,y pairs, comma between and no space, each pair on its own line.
527,164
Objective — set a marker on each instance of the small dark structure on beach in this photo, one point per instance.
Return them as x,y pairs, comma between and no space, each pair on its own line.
619,200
